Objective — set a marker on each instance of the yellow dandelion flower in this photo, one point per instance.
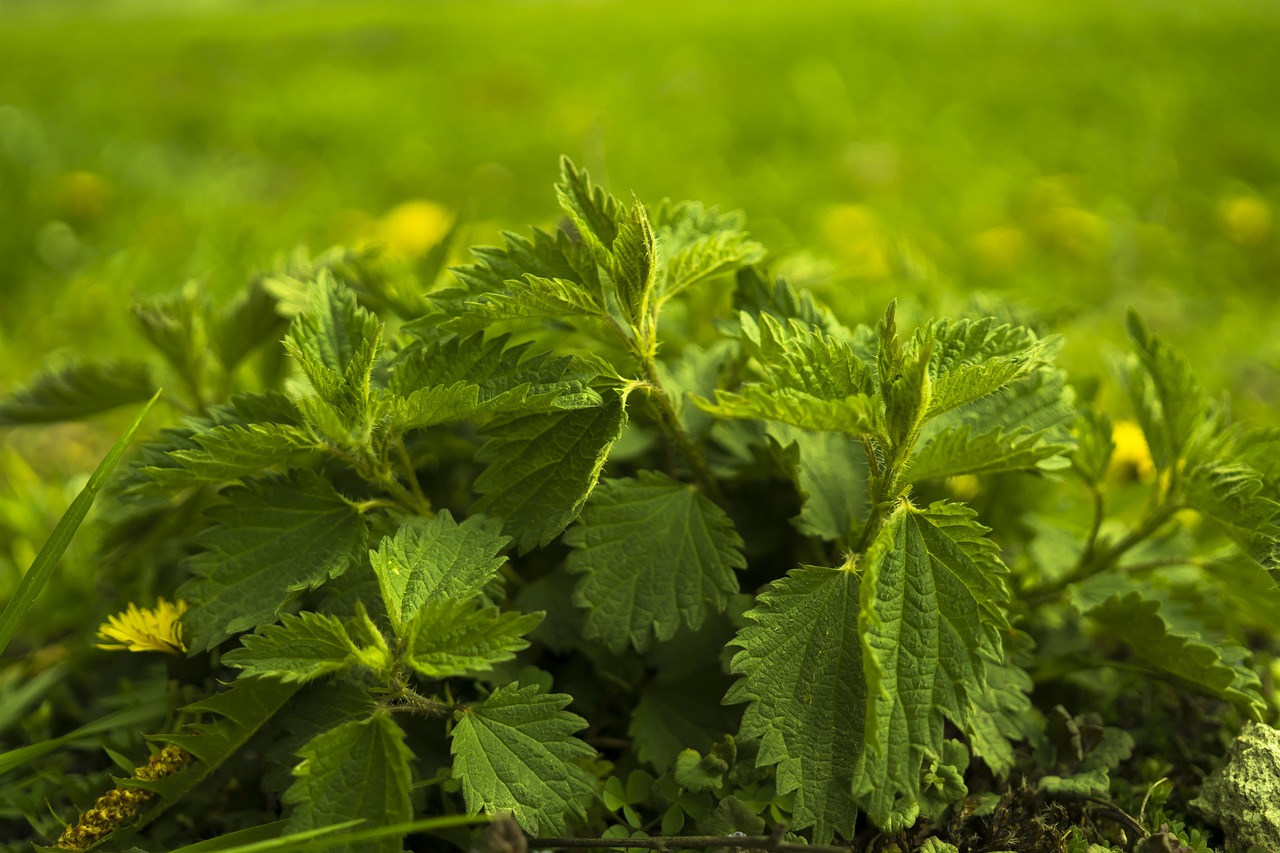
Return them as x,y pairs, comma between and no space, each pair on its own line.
1131,459
410,230
965,487
140,629
1245,219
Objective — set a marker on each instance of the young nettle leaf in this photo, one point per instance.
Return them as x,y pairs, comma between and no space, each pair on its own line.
233,451
436,560
1139,623
594,212
704,257
77,389
958,451
336,342
358,770
549,256
532,298
1237,499
830,471
633,258
246,323
801,668
476,378
756,295
177,325
932,591
449,637
654,554
1003,712
541,468
302,648
906,386
515,752
970,359
271,539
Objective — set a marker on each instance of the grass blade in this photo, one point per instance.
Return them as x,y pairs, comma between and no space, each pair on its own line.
42,569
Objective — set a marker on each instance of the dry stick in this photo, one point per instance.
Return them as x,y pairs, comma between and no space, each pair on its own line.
689,842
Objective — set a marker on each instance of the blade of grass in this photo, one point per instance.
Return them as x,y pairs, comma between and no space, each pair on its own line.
47,560
134,716
330,836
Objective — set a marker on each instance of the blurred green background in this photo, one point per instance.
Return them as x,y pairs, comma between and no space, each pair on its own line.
1074,158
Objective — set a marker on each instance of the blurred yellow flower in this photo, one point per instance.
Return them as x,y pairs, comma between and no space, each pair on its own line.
82,195
1131,459
964,487
138,629
409,230
1077,232
1245,219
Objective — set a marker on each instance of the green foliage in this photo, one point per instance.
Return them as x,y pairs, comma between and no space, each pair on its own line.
620,467
76,389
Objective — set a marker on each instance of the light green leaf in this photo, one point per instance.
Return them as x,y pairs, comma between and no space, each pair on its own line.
233,451
757,295
271,540
707,257
654,554
302,648
1235,498
436,560
633,257
853,416
336,342
970,359
449,637
959,451
544,255
801,668
515,753
932,590
530,298
356,771
1003,712
246,323
594,212
541,468
1138,623
77,389
176,324
804,359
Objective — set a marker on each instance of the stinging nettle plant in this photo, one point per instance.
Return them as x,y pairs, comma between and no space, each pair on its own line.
616,465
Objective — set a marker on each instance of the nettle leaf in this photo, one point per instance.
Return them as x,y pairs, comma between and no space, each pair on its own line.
854,416
672,716
1235,497
176,324
542,467
654,554
1139,623
233,451
336,342
550,256
1003,712
531,298
1174,409
959,451
449,637
633,259
358,770
757,295
801,668
436,560
970,359
76,389
698,243
594,212
932,590
476,377
302,648
516,753
271,539
830,471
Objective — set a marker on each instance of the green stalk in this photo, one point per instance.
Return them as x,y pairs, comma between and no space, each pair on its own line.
42,569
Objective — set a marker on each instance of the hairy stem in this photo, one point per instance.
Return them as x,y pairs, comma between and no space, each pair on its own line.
673,429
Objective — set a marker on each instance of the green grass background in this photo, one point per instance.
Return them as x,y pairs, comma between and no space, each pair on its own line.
1074,158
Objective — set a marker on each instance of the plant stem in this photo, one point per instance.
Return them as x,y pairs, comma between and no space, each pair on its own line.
410,474
669,421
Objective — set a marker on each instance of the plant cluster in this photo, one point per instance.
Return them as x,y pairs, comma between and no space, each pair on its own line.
617,466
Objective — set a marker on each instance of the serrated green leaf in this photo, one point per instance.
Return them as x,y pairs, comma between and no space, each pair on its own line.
336,342
654,554
757,295
1174,409
932,591
541,468
1235,498
970,359
436,560
594,212
301,648
77,389
673,716
959,451
633,259
515,752
1003,712
853,416
706,257
233,451
317,707
1138,623
449,637
530,298
801,668
550,256
271,540
176,324
830,472
356,771
1093,432
477,377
